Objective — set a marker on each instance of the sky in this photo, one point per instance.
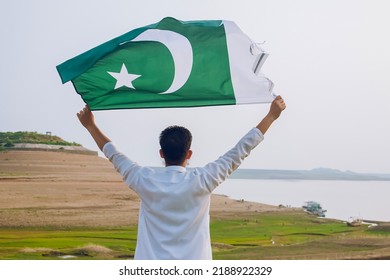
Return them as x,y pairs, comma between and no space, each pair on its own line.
328,59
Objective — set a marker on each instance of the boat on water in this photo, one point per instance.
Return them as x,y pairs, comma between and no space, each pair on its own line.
314,208
354,222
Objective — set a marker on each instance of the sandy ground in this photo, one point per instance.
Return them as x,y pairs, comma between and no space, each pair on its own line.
60,189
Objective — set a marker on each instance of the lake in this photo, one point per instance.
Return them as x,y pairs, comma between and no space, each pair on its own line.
343,200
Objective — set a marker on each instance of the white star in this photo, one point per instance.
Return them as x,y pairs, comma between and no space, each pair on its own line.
123,78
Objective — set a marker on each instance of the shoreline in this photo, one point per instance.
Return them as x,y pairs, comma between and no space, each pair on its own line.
41,188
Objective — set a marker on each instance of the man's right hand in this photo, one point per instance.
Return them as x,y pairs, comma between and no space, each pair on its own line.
277,107
86,117
275,110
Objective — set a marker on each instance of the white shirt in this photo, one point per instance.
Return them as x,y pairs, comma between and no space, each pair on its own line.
175,202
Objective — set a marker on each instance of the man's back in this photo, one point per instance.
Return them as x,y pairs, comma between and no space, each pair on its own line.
175,202
174,216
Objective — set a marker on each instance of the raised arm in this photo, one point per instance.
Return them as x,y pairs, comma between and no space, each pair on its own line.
87,119
275,110
217,171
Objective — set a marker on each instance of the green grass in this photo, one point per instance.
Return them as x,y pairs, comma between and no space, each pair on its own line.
383,230
295,235
38,243
10,138
285,235
284,229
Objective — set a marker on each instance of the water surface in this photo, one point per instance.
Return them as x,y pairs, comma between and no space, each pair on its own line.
343,200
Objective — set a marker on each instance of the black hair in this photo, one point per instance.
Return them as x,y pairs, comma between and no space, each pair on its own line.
175,142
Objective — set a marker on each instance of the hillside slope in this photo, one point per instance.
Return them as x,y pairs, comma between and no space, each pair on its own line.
61,189
33,138
23,140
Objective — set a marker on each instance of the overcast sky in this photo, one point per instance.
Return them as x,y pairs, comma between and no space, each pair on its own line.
328,59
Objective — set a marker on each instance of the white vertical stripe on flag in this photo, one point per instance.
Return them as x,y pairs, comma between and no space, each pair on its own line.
248,87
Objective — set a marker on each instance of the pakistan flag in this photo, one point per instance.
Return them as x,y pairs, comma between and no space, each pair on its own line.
171,64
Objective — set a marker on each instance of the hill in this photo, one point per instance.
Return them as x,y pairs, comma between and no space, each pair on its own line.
8,139
24,140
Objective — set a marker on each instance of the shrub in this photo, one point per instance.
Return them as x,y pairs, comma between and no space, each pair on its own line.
9,144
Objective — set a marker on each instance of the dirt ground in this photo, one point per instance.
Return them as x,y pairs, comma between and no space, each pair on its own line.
41,188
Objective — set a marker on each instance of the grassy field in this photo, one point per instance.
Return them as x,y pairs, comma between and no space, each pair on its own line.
294,235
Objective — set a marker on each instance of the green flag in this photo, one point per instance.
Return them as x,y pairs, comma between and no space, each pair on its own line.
171,64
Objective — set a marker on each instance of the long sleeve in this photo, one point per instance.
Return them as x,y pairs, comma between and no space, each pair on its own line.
175,202
217,171
123,165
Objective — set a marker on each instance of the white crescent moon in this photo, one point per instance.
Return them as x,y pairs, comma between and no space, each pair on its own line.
181,51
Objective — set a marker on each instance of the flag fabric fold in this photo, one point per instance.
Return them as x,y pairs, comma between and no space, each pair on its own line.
171,64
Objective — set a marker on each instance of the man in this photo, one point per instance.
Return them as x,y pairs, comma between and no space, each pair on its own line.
175,202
